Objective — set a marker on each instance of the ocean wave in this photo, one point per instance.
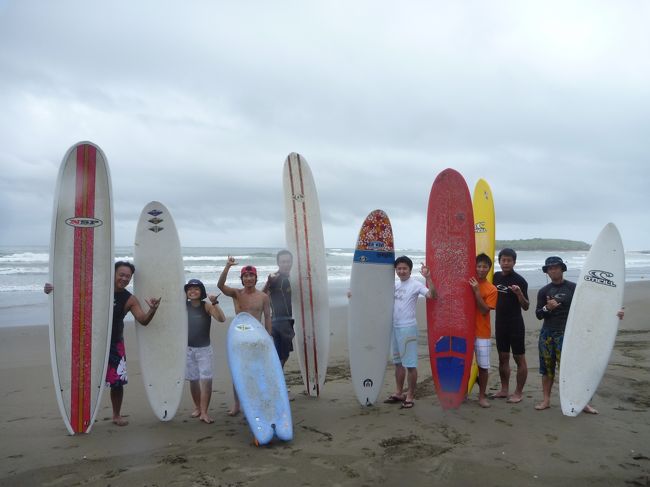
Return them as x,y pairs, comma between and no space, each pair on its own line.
27,257
8,271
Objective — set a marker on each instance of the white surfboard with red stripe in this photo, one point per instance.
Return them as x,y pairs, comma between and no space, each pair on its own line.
309,294
81,270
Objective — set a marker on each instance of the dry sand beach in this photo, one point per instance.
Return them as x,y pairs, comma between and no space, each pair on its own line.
336,441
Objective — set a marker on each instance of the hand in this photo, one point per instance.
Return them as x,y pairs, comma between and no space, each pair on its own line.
48,288
153,302
214,299
349,294
551,304
424,270
621,313
231,261
515,289
474,283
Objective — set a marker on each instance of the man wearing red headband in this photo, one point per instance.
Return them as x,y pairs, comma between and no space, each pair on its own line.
247,299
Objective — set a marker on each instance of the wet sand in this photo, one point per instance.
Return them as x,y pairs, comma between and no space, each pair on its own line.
337,442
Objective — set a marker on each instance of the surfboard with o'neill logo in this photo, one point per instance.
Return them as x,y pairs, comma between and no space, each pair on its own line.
370,315
81,272
308,277
592,323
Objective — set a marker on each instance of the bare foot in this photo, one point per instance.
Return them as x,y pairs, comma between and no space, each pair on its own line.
515,398
542,405
120,421
500,395
196,413
206,419
484,403
233,412
589,410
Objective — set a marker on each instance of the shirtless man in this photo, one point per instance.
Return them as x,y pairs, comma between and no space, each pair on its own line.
247,299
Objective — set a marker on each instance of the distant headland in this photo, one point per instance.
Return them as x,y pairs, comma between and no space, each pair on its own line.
543,244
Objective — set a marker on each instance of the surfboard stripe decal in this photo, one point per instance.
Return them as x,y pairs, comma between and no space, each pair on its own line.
299,262
311,290
82,291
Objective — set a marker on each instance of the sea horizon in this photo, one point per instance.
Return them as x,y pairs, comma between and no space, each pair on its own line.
24,269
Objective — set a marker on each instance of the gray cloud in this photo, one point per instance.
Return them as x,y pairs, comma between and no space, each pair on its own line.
197,105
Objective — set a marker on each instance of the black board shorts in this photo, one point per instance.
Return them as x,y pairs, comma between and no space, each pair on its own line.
511,336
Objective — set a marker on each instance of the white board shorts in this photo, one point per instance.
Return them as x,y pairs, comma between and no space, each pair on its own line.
482,348
405,345
198,363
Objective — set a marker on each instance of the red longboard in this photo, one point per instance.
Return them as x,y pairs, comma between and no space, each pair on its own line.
451,255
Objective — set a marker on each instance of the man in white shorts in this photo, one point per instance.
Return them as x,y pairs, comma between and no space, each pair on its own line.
405,329
486,299
199,350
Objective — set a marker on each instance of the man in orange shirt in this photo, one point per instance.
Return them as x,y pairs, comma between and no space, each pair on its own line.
486,299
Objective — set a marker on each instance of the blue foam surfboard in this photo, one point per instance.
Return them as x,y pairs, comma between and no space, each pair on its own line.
259,380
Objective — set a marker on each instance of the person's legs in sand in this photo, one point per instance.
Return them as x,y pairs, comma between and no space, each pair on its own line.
234,410
504,375
117,395
482,387
195,391
522,375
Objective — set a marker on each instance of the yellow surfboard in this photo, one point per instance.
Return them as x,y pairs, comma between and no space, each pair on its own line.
485,233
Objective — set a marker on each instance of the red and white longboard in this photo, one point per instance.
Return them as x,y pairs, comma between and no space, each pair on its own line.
309,293
81,270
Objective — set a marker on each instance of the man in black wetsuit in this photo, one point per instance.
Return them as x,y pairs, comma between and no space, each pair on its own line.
279,290
509,329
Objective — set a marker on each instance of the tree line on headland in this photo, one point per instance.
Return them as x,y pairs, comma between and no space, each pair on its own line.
543,244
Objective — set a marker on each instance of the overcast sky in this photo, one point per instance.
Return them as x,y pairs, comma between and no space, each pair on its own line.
197,104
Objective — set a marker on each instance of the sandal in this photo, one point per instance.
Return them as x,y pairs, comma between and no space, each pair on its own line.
393,399
407,405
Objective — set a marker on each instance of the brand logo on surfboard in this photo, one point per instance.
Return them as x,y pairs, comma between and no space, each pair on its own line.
155,212
367,383
84,222
479,227
156,229
600,277
155,220
298,197
243,327
375,245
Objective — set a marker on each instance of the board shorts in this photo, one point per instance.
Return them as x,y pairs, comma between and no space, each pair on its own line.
198,363
116,371
550,351
482,348
282,333
511,336
405,345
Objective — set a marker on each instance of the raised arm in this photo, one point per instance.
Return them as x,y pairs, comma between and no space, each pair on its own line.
483,308
215,310
133,305
426,273
523,301
227,290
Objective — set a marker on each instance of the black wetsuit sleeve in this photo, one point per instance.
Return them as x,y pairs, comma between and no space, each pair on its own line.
541,302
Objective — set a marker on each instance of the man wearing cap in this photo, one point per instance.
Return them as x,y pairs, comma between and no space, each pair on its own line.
199,349
553,304
249,300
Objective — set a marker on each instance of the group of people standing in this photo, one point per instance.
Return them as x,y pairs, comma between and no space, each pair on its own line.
507,294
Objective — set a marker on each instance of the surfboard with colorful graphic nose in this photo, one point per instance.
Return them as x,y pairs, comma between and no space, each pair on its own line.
370,315
81,271
450,256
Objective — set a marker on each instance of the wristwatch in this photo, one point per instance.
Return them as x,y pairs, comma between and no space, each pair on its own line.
545,309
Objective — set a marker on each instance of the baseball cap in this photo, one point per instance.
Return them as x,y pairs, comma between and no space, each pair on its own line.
248,269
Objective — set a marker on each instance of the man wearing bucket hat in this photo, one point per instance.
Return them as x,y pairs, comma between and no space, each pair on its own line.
198,368
247,299
553,304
